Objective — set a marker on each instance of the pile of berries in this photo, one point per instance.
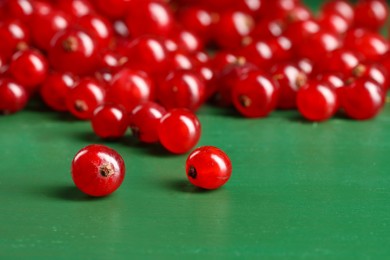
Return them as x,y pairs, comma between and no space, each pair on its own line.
150,64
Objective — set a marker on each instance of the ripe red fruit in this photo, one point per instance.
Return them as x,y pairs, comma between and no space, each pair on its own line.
150,17
55,90
362,99
375,72
289,78
109,121
182,89
339,7
84,98
255,95
114,9
297,32
371,14
231,28
129,88
29,68
372,46
318,44
149,54
197,20
144,121
98,170
317,101
13,97
14,36
73,51
43,26
99,28
179,130
208,167
76,8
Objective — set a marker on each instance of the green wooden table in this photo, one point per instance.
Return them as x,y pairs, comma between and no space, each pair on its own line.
299,190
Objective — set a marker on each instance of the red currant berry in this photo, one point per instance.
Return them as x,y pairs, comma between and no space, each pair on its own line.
55,90
151,17
341,61
339,7
260,53
129,88
266,28
181,60
13,97
362,99
222,59
76,8
334,23
114,9
99,28
84,98
255,95
144,121
370,45
317,101
111,61
375,72
52,22
29,68
73,51
179,130
331,79
98,170
289,78
182,89
227,79
208,167
20,9
318,44
371,14
149,54
14,36
187,41
197,20
299,31
231,29
109,121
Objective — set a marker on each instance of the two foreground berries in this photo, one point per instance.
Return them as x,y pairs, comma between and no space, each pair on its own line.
98,170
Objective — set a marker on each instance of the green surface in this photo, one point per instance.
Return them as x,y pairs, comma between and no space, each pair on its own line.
298,190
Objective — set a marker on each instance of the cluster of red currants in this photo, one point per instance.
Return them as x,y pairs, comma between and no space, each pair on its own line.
150,64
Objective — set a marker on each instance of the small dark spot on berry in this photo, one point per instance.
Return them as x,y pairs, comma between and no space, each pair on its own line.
192,172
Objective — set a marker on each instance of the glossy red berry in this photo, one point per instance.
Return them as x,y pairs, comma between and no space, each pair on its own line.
208,167
256,95
29,68
318,44
13,97
55,90
14,36
151,17
289,78
84,98
197,20
372,46
75,8
149,54
260,53
227,79
98,170
114,9
342,8
341,61
375,72
73,51
99,28
179,130
231,29
145,120
187,41
317,101
266,28
182,89
334,23
362,99
52,21
129,88
109,121
20,9
371,14
299,31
